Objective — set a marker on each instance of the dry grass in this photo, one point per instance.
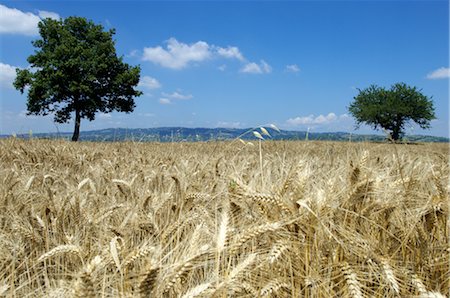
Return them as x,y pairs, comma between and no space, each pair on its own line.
202,220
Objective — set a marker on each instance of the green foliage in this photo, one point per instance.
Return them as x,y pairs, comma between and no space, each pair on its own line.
392,109
75,68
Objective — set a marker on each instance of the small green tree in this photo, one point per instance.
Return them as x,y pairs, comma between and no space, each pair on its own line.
75,70
392,109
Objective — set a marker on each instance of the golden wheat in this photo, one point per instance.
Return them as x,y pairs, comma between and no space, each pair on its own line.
221,219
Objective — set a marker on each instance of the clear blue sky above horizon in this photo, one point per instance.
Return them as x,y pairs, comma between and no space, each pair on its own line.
296,64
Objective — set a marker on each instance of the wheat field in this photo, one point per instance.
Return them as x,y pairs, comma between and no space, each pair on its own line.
223,219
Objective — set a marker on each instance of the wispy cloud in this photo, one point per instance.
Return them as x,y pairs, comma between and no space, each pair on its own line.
147,114
133,53
292,68
14,21
316,120
43,14
165,101
440,73
230,53
108,23
7,75
149,83
104,116
24,114
252,67
170,98
266,67
177,95
227,124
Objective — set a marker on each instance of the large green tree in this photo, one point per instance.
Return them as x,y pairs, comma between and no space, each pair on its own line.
392,109
75,71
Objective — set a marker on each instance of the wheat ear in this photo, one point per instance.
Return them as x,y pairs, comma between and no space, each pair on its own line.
277,250
85,284
147,284
223,228
252,233
354,287
67,248
234,274
272,288
180,273
390,276
196,291
141,253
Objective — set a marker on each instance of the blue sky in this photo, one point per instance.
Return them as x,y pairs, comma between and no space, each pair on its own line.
244,64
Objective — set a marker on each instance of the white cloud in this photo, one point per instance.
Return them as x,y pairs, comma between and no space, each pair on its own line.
251,67
344,117
177,55
149,83
108,23
23,114
43,14
321,119
230,53
7,115
147,114
222,67
168,98
104,116
266,67
292,68
312,120
226,124
165,101
177,95
7,74
14,21
133,53
261,68
440,73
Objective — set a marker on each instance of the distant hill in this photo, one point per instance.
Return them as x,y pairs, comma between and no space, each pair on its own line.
179,134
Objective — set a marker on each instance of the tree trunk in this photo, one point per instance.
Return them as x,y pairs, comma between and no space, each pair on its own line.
76,132
395,134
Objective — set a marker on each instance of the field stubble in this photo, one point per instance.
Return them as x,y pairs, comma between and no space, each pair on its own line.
201,220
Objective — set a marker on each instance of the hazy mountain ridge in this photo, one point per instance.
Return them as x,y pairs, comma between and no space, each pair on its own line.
177,134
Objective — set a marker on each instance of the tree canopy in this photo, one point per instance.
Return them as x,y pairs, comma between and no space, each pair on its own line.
75,70
392,109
